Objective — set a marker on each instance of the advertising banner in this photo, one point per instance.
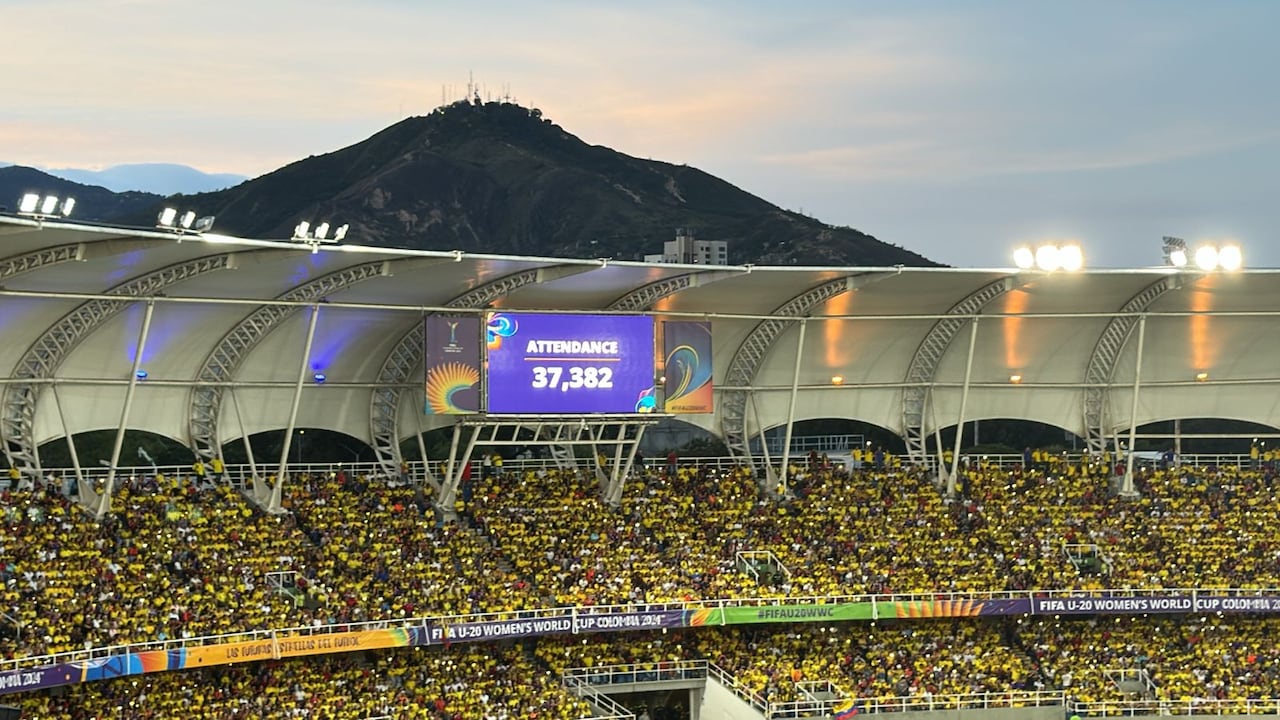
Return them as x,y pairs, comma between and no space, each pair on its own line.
1165,604
686,346
556,625
952,608
451,356
783,613
547,364
13,681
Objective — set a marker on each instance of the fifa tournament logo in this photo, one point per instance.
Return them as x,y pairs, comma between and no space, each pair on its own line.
453,346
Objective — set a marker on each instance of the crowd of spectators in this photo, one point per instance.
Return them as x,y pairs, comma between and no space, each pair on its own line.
171,562
175,561
1179,659
385,553
462,683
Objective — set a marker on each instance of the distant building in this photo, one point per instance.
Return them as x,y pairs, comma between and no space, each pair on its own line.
686,250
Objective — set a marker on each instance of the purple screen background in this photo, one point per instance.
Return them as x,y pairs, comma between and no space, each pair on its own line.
510,374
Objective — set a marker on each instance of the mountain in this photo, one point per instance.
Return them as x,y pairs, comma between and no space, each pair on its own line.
92,202
159,178
500,178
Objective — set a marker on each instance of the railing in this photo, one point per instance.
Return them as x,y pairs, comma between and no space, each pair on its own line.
239,474
804,443
613,710
1195,706
920,703
749,558
632,673
1135,676
560,612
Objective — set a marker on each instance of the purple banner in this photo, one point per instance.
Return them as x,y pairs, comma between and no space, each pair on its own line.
1163,604
555,625
550,364
14,681
451,353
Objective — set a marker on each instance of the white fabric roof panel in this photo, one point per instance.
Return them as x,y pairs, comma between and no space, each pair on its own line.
888,314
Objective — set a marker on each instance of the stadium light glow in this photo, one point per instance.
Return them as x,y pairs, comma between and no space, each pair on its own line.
142,374
1024,258
319,378
316,236
1230,258
186,223
44,206
837,379
1015,379
1202,376
1209,256
1050,257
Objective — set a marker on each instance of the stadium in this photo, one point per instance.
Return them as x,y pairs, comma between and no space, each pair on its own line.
587,583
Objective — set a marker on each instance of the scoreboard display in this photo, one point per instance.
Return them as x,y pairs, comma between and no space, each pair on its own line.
546,363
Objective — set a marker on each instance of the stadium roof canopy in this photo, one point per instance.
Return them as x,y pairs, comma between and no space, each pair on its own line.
229,321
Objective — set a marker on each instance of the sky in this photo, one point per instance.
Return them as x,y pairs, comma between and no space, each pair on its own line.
958,130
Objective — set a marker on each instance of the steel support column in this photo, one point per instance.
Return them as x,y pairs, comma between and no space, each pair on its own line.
620,476
66,430
785,470
274,506
964,400
244,436
1127,489
105,505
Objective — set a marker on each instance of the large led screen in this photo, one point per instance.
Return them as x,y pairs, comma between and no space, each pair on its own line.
553,364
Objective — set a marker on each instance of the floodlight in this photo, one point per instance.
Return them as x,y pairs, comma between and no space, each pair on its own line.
1230,258
1047,258
1024,258
1207,258
321,230
67,206
1178,257
29,203
204,224
1071,258
1015,379
166,218
837,379
187,219
341,232
1202,376
49,205
301,230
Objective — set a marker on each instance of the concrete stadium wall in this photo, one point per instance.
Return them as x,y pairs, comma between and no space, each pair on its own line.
719,703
